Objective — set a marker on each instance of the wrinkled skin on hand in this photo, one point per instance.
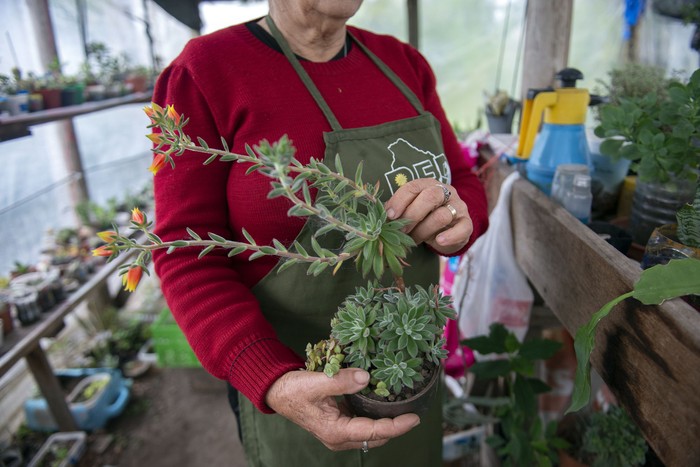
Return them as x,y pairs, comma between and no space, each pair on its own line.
308,399
422,202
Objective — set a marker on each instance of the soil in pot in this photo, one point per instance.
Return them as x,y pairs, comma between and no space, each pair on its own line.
411,400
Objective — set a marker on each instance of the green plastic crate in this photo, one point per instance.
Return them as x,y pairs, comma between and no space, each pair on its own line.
170,344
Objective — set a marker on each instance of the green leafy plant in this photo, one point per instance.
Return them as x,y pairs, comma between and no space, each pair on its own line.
523,439
659,135
688,218
395,332
662,282
612,438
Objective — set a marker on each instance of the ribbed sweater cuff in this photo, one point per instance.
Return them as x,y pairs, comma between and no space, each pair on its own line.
258,366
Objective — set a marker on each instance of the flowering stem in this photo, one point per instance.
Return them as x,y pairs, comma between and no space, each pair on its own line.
230,245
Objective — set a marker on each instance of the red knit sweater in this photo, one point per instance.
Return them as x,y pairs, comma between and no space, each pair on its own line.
230,84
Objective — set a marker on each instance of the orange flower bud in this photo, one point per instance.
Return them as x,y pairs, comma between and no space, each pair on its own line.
158,109
103,250
155,138
137,216
173,115
151,113
107,236
131,278
157,164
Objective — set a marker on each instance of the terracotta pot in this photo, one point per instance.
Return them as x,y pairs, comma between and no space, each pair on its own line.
364,406
52,98
137,83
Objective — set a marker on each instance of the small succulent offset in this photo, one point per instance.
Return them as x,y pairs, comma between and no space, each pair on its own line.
394,333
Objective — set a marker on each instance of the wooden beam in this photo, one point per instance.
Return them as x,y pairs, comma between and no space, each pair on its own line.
413,22
547,36
51,389
648,355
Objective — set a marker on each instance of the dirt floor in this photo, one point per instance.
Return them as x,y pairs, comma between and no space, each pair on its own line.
174,418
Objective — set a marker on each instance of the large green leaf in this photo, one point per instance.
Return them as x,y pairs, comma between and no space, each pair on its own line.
677,278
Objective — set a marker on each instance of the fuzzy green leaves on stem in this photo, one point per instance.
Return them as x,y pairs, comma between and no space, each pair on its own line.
346,206
662,282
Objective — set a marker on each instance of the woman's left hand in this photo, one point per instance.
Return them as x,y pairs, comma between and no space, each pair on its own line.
440,220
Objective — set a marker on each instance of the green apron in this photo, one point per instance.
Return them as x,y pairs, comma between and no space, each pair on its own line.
300,307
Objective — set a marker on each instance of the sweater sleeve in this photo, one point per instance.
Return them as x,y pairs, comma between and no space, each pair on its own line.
467,184
218,314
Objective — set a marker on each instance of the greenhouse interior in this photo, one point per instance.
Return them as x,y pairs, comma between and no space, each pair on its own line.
522,279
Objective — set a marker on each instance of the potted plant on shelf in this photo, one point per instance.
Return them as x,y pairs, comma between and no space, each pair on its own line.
660,137
394,332
500,110
632,80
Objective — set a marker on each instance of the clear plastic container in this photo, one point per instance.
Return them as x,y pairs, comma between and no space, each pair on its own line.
564,179
578,199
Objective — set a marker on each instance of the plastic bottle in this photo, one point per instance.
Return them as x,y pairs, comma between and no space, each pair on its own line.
578,199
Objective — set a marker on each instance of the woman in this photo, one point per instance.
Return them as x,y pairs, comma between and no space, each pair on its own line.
333,90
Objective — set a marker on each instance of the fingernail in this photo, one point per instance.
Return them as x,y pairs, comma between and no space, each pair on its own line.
361,377
416,423
390,213
440,239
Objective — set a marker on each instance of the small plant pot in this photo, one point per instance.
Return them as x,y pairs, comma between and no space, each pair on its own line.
419,404
61,450
52,98
97,395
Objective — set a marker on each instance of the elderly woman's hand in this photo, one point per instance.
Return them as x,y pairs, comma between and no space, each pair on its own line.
443,224
308,399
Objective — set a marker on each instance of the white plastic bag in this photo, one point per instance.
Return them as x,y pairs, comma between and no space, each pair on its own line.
489,286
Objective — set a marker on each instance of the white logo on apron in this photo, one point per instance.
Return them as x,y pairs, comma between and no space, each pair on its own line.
426,165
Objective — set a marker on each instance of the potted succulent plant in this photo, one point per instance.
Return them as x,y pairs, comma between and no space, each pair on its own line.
500,110
659,135
394,332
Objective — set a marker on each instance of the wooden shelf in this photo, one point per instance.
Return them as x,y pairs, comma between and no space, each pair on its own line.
647,355
18,125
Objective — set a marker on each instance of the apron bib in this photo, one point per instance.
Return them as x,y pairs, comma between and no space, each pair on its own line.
300,307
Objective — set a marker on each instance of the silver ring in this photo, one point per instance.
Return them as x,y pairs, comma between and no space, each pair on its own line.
452,210
445,192
365,447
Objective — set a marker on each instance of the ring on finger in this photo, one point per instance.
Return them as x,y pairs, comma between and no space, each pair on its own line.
365,446
445,192
452,210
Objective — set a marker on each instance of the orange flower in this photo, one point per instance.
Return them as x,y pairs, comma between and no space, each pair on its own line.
137,216
157,164
107,236
173,115
151,113
155,138
103,250
131,278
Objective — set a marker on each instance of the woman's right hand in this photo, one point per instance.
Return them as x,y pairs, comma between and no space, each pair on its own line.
308,399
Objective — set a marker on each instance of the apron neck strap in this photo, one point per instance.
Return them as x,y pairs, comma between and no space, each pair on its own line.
393,77
316,94
284,45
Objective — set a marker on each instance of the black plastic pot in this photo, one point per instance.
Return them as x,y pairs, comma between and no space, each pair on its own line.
419,404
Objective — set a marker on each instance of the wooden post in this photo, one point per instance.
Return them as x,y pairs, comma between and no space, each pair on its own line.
51,389
413,26
547,36
43,31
